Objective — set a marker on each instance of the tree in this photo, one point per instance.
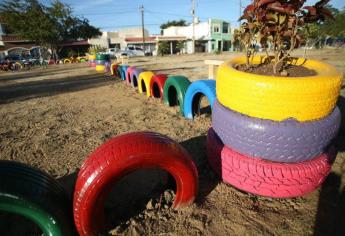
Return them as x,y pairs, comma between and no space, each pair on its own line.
48,26
173,23
163,48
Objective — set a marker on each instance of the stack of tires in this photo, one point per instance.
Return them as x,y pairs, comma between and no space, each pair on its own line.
92,60
103,62
272,136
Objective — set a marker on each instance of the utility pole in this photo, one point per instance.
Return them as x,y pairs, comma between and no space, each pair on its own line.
193,24
142,25
240,10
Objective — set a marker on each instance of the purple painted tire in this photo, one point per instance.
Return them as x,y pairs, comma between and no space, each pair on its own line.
286,141
135,76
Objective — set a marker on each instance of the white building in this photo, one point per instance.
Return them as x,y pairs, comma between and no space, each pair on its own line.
117,39
212,35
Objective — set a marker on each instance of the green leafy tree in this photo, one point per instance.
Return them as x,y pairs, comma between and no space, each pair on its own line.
163,48
48,26
173,23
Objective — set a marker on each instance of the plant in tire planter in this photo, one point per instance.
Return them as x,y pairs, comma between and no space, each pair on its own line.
277,24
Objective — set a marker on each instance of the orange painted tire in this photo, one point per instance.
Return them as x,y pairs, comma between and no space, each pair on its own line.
117,158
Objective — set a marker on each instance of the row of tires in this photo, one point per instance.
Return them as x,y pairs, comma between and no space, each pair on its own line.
36,195
172,90
262,142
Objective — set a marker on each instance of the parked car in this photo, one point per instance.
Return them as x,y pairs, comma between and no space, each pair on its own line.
136,51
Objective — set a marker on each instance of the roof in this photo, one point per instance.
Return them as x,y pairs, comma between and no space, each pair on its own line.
140,39
171,38
12,38
76,43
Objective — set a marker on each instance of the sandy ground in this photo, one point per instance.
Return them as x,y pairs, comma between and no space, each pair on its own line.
54,118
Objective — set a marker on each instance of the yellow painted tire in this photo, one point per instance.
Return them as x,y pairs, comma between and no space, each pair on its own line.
92,57
100,68
279,98
145,77
112,68
66,61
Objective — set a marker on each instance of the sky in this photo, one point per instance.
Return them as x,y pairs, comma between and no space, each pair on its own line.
110,15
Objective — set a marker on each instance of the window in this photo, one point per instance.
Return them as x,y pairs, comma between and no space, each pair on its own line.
216,29
225,28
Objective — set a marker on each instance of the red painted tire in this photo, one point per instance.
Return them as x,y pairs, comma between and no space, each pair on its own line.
129,74
265,178
119,157
92,64
157,85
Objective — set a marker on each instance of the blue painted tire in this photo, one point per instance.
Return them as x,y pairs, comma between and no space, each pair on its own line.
135,77
193,96
285,141
122,71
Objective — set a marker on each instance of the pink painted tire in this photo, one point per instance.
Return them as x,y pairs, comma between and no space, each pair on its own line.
129,73
266,178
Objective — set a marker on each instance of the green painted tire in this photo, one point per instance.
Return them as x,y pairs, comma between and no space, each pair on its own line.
175,89
37,196
102,57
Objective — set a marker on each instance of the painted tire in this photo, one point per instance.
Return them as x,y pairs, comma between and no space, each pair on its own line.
119,157
102,57
270,179
286,141
135,76
279,98
37,196
157,84
83,59
175,89
100,68
67,61
100,62
194,94
93,64
123,71
92,57
114,69
144,82
129,75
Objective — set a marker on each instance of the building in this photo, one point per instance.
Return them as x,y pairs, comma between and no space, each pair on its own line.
14,44
118,38
210,36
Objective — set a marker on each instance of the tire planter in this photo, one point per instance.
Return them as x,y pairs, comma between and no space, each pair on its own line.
144,82
67,61
193,96
100,68
93,64
175,89
135,76
157,85
129,75
119,157
286,141
269,179
35,195
102,57
123,71
279,98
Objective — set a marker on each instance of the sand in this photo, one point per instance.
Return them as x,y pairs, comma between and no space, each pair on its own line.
52,119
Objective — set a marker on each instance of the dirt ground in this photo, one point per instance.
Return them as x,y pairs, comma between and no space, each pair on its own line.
54,118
